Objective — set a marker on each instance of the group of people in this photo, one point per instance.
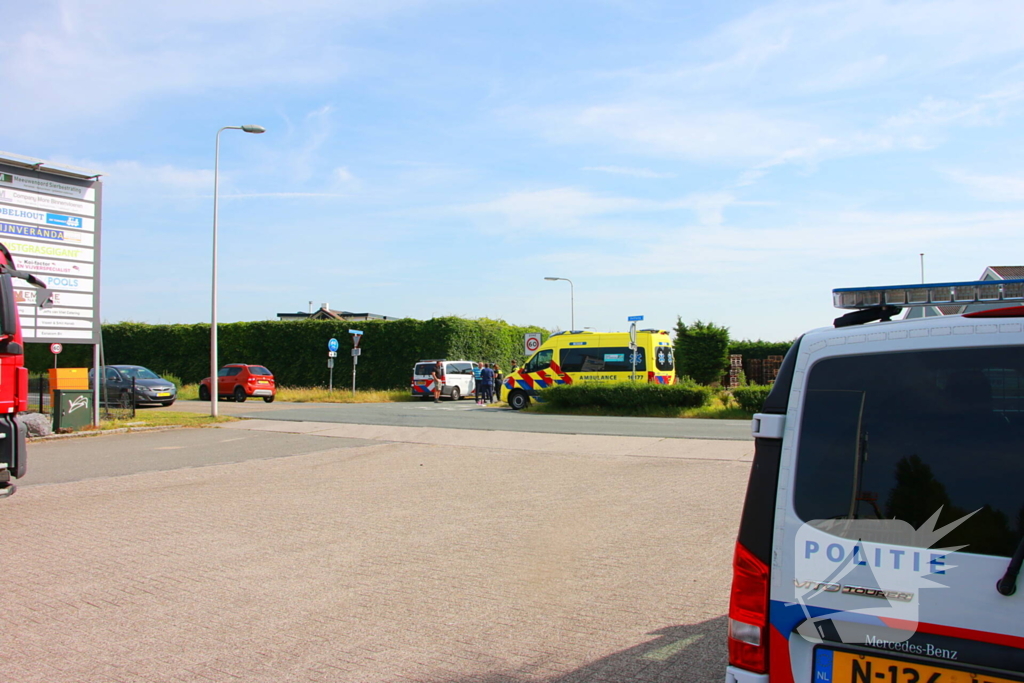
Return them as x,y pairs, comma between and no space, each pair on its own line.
486,376
487,379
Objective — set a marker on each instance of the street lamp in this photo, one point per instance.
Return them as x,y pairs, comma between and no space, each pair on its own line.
572,301
249,128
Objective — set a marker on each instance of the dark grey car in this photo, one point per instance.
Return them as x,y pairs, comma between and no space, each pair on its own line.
149,386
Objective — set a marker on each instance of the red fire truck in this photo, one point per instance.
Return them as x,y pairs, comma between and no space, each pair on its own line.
13,373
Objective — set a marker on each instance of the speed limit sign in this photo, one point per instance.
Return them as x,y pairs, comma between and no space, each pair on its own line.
56,348
532,342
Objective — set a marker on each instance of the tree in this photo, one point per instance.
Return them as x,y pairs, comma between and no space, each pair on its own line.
702,351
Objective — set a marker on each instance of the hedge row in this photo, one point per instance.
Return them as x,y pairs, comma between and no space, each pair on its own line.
758,350
296,351
626,395
751,398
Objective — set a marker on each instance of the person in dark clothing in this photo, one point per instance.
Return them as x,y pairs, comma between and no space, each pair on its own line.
487,378
497,382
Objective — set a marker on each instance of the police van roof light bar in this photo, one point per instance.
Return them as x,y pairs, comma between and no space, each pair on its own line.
935,294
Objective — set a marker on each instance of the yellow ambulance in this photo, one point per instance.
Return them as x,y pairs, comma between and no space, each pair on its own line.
585,356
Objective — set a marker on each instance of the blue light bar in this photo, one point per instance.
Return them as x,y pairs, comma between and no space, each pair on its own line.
935,294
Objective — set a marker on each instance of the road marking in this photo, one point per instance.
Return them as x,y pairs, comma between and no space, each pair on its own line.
241,438
666,652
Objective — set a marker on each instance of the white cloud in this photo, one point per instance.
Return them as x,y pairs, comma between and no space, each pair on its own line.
994,188
570,210
634,172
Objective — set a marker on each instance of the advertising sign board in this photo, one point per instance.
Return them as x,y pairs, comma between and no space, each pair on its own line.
50,221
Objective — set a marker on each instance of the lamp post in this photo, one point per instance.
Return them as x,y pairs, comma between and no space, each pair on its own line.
572,301
249,128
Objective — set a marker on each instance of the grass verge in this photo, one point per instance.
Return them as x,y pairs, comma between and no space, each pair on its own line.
715,410
319,395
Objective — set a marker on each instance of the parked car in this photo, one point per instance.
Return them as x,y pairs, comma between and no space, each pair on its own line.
149,386
239,381
458,379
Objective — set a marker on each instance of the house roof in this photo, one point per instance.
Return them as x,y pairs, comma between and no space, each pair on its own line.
1005,272
330,314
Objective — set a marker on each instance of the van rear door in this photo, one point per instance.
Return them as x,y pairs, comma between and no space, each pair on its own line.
899,507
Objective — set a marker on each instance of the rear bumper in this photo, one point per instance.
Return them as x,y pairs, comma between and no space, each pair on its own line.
262,392
734,675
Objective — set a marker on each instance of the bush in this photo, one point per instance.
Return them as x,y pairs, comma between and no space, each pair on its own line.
758,350
172,378
702,351
751,398
626,395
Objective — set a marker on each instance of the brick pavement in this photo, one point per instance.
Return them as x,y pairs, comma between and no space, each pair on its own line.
427,562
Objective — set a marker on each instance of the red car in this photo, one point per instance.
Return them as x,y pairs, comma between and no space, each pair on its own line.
239,381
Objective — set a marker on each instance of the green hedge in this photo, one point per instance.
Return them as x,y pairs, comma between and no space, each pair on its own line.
296,351
751,398
758,350
626,395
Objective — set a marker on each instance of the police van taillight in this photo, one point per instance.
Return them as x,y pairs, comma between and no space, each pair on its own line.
748,612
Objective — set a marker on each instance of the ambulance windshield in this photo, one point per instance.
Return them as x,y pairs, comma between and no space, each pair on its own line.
899,436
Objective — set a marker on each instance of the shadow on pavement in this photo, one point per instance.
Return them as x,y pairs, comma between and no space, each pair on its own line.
694,653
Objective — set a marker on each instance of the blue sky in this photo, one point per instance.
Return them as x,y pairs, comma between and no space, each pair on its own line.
730,162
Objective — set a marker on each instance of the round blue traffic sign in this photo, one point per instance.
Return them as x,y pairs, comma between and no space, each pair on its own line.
332,345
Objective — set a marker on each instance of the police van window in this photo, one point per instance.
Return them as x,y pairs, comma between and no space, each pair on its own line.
899,436
602,359
462,368
424,369
663,358
540,361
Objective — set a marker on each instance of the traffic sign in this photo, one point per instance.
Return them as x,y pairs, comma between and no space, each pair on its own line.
332,354
56,348
531,342
356,352
332,345
634,318
356,334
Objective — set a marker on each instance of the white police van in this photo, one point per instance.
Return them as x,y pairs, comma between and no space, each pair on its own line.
881,533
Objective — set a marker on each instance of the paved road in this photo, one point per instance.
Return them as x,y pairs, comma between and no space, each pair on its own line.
468,415
310,551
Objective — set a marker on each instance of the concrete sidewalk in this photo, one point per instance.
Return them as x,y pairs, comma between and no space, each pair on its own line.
422,557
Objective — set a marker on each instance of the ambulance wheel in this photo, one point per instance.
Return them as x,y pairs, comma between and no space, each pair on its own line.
517,400
456,394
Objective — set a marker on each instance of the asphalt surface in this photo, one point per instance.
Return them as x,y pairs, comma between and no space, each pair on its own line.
275,550
466,414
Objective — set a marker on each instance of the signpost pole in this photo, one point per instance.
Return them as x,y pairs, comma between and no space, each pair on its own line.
330,380
633,320
356,335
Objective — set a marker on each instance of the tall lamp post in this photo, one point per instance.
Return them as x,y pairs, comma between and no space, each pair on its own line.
249,128
572,301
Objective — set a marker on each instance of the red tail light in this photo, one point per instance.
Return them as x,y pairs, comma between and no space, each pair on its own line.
748,612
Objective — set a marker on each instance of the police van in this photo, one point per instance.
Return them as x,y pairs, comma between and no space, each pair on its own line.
585,356
881,534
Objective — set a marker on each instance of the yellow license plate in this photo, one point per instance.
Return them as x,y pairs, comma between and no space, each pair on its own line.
835,666
164,393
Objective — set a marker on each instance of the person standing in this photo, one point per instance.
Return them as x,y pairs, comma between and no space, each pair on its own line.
497,382
438,376
487,375
477,383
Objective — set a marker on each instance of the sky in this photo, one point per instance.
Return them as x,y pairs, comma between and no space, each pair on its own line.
730,162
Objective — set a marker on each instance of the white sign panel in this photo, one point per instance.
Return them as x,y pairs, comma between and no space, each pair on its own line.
45,202
23,182
28,296
38,265
531,343
50,222
49,250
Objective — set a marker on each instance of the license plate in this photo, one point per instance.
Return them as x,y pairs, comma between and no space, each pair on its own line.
836,666
164,393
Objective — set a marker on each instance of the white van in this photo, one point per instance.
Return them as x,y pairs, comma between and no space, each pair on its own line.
458,379
882,529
